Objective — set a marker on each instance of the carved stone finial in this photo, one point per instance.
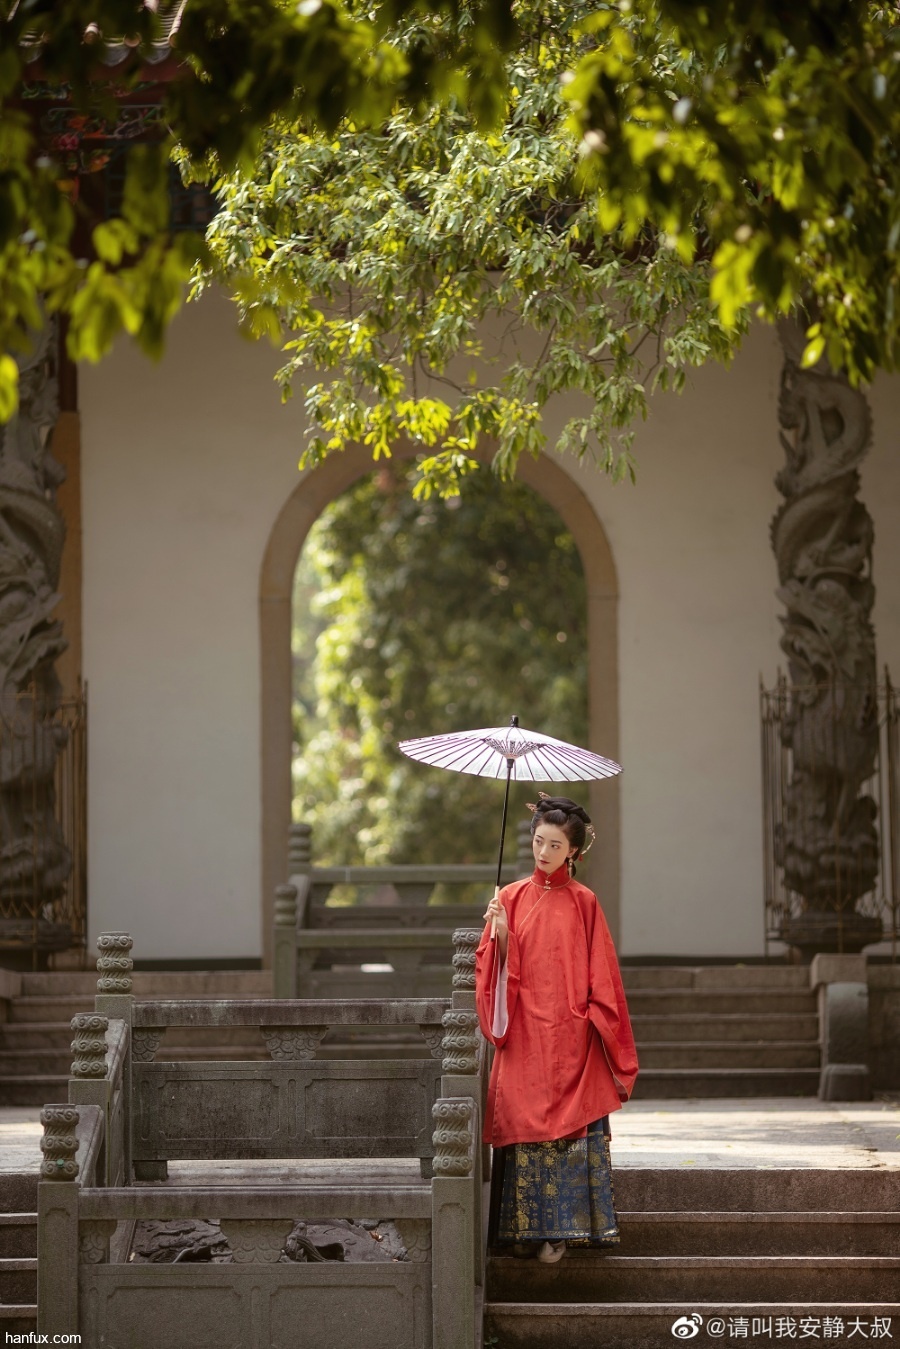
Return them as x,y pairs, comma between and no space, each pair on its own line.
460,1042
285,906
465,944
89,1044
454,1136
300,846
59,1143
114,964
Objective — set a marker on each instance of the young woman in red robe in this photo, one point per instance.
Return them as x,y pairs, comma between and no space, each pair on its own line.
550,998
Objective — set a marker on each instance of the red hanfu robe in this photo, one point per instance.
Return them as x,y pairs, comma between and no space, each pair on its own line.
565,1051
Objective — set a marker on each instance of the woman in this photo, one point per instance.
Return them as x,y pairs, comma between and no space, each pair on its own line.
550,998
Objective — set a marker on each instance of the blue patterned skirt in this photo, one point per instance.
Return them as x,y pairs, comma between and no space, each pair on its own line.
559,1191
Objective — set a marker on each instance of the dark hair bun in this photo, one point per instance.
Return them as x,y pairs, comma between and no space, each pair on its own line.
564,804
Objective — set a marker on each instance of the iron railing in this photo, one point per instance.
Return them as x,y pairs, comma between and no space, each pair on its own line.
43,828
872,890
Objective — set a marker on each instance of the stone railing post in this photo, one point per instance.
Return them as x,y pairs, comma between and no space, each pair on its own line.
89,1048
114,1000
284,946
843,997
299,849
454,1217
465,944
114,967
57,1279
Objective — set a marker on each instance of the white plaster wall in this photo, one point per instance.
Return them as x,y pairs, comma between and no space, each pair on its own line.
185,468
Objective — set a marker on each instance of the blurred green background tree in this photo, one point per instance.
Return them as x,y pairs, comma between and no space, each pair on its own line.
417,618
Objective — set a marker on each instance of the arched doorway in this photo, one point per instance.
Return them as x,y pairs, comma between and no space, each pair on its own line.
310,497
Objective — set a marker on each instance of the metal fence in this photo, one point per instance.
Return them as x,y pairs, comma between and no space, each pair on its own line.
43,828
864,875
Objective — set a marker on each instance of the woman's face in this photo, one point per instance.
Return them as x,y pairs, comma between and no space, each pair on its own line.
550,847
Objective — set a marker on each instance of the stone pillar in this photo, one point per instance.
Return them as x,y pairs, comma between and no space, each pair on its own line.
524,855
822,536
843,996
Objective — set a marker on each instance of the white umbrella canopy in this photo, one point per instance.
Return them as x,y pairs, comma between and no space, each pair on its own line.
513,753
510,751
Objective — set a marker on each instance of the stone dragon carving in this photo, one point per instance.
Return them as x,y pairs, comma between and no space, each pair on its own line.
34,859
822,537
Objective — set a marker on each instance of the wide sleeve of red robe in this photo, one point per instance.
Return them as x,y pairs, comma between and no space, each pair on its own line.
556,1012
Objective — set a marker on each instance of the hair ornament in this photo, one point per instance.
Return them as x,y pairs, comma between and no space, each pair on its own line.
535,805
592,835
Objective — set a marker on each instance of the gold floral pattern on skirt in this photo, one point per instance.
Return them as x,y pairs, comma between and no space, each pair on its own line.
558,1191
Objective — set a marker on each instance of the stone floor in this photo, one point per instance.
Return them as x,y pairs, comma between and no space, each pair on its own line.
757,1133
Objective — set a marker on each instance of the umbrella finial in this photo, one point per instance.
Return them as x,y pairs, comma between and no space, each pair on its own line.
514,721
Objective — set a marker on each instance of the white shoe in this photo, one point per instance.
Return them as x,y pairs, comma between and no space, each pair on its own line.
551,1251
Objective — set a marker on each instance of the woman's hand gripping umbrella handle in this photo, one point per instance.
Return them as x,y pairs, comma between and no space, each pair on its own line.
494,909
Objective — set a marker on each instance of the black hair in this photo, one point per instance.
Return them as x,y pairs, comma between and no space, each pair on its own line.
568,816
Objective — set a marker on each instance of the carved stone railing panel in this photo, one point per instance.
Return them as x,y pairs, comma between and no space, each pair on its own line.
58,1143
89,1045
114,964
415,1234
291,1042
93,1241
454,1136
459,1044
145,1041
255,1241
434,1038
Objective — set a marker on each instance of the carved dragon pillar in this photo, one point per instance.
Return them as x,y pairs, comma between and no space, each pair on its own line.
34,860
822,537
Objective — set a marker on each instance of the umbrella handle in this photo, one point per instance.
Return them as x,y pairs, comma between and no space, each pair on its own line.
494,919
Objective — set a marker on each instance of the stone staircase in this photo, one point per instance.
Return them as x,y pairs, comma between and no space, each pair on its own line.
35,1041
18,1254
704,1031
723,1030
755,1251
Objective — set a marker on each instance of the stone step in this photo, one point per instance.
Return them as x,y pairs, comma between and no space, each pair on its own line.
721,1083
61,1007
18,1192
18,1234
648,1325
755,1027
18,1280
722,1233
19,1320
33,1089
784,1190
154,983
698,1056
716,976
591,1276
707,1002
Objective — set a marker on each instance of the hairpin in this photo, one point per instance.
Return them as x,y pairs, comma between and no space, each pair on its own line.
533,805
592,835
